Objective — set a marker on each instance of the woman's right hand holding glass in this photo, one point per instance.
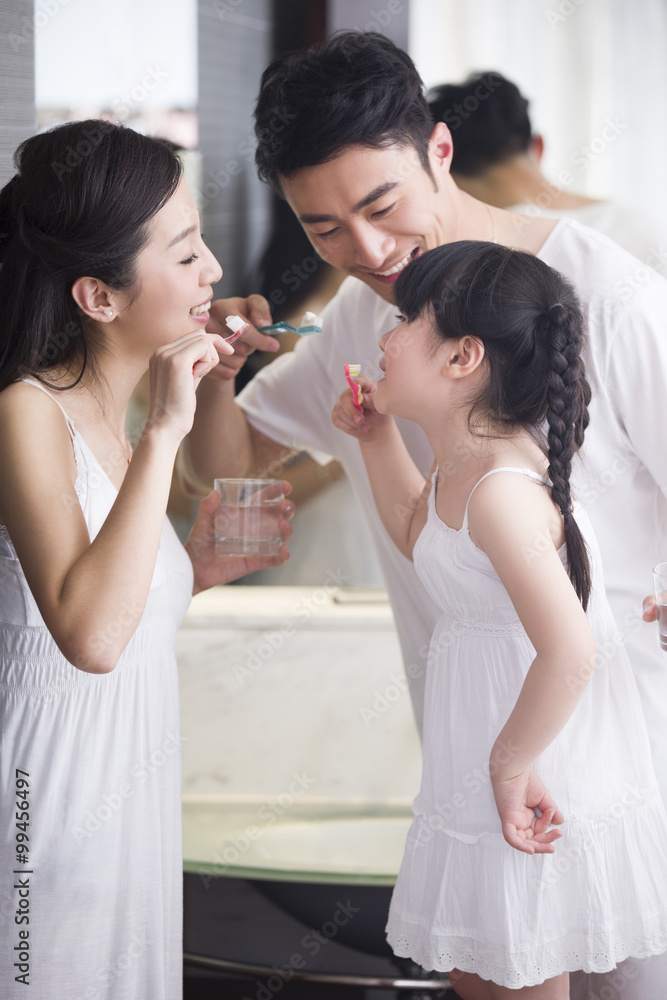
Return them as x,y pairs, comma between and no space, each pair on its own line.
649,609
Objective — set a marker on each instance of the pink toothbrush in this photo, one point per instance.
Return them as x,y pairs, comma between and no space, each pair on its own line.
237,325
357,395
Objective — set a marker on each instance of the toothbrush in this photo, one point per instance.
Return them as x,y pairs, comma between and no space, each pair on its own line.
238,327
357,395
311,323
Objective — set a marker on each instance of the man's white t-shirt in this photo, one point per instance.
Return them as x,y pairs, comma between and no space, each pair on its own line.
615,221
620,476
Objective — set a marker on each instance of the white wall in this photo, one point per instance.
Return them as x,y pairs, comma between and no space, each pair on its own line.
17,80
94,54
583,64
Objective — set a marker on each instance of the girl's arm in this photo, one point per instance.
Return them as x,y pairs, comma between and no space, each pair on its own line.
399,489
513,519
91,595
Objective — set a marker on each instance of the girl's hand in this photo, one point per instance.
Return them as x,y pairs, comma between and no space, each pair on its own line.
211,569
365,425
516,799
176,370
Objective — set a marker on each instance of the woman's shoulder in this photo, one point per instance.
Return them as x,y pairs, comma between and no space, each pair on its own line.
24,392
25,407
20,400
33,428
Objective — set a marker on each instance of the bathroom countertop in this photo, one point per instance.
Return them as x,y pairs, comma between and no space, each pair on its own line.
307,607
295,694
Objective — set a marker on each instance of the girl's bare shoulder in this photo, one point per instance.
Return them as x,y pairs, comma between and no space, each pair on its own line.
513,503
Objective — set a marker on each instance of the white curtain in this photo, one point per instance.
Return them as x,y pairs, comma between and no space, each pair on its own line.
595,72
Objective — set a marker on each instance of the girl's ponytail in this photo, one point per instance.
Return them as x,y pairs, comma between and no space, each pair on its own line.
568,396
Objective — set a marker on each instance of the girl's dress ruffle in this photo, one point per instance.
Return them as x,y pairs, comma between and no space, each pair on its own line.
589,906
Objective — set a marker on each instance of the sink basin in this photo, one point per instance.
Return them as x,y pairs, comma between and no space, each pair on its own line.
334,842
306,861
300,754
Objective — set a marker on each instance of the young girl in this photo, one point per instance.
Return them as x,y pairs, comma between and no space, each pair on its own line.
103,273
538,844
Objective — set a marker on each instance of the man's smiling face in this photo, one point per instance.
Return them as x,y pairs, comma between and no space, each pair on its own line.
370,211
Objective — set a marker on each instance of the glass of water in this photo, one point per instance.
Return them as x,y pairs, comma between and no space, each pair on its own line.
247,521
660,585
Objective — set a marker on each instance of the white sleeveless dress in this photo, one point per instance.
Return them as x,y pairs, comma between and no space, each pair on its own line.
464,898
102,886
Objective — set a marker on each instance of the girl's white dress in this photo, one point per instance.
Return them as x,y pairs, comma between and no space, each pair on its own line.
103,754
464,898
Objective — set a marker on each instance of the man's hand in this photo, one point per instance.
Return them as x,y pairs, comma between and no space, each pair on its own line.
255,311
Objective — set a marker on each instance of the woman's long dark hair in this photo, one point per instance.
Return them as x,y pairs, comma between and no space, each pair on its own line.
529,319
77,207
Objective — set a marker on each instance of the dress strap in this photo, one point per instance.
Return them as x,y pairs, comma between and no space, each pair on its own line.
503,468
430,499
81,481
38,385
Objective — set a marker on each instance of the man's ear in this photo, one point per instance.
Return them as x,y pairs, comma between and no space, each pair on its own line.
93,298
441,148
537,147
464,357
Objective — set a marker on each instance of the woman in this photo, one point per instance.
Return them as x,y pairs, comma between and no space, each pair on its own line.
103,274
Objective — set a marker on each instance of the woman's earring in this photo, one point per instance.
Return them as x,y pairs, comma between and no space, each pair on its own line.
110,313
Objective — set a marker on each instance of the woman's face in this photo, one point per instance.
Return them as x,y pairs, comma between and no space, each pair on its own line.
175,271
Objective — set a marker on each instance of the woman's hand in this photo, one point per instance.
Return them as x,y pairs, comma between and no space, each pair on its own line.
256,312
650,609
516,800
365,425
176,370
210,569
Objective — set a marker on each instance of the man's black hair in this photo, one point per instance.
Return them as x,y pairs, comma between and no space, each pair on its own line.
488,119
358,89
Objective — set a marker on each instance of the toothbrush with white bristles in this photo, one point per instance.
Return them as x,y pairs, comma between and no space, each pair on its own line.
238,327
351,371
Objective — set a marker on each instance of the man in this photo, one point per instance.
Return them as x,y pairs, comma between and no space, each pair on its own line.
498,159
346,137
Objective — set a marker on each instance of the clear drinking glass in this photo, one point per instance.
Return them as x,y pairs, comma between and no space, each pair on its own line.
247,519
660,585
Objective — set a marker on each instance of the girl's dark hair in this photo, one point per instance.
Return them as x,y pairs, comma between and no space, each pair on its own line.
529,319
78,207
359,89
